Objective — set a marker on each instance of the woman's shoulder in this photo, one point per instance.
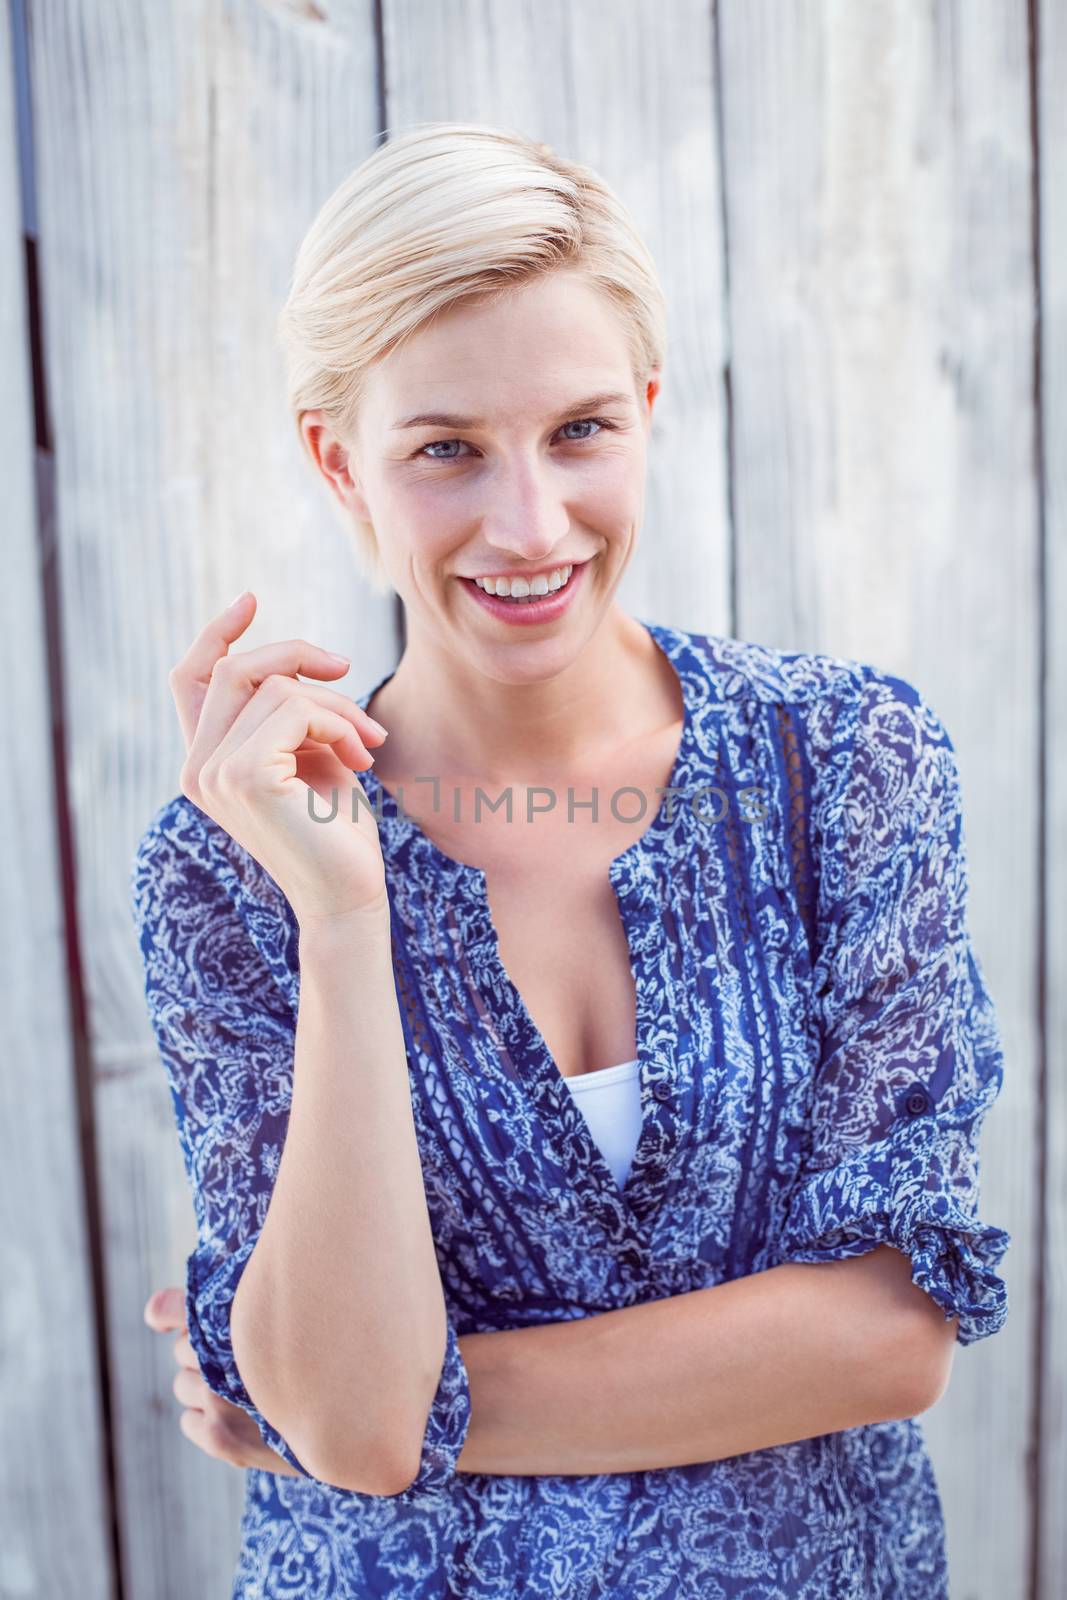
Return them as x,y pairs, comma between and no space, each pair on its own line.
832,718
739,669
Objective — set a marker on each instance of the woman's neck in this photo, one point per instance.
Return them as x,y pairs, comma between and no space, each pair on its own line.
448,720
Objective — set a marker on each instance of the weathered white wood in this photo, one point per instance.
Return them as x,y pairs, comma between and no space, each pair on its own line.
1051,1461
53,1454
881,314
182,151
625,89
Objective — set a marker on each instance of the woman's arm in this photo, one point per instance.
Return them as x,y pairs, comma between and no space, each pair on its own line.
790,1353
759,1361
339,1319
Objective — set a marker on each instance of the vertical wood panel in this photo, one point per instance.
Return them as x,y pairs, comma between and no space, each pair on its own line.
625,89
878,204
182,151
1051,1462
54,1450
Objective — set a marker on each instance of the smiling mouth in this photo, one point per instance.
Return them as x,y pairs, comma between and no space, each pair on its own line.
564,571
527,599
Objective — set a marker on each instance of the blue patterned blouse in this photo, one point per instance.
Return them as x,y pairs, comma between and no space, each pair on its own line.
818,1050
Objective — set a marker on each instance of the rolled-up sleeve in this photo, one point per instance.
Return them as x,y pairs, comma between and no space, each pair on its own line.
910,1058
226,1036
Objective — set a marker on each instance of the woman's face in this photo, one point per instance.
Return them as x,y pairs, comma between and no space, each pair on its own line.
505,439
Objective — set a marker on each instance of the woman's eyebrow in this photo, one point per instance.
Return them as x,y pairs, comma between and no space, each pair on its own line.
447,419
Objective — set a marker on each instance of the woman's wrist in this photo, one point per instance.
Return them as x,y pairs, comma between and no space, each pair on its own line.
368,926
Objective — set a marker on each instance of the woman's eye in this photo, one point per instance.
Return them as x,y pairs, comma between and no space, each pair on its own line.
444,444
436,445
585,422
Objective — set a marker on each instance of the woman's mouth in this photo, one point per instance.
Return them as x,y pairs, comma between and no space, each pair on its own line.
529,608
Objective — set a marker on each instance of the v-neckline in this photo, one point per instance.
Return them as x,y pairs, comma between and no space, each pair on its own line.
638,886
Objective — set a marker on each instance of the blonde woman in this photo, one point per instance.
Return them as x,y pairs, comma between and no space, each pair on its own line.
580,1087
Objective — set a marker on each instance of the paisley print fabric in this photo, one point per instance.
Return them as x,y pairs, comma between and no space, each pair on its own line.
818,1050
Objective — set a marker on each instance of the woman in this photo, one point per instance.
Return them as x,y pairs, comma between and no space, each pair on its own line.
586,1188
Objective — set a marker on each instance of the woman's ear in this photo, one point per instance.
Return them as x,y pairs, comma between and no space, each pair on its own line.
334,460
652,388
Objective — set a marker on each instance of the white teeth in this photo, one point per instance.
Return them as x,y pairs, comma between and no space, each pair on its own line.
524,588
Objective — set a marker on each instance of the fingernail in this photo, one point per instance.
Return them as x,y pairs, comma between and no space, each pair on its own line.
237,599
335,655
377,725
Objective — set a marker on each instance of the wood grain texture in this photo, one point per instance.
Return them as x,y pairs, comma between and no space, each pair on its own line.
53,1455
878,172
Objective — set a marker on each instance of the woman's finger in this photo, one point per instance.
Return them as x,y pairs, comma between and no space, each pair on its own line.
190,1388
192,677
221,1429
205,1433
217,1438
184,1354
254,711
257,753
165,1309
189,677
234,679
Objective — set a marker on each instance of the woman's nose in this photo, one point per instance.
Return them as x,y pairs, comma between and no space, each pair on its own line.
524,513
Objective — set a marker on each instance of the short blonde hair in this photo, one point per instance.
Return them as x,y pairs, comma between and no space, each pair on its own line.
442,213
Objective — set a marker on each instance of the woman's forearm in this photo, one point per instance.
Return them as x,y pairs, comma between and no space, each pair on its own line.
339,1320
790,1353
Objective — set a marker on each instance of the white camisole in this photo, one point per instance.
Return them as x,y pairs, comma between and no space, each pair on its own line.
610,1099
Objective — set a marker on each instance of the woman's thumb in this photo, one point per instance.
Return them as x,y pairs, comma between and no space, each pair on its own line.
165,1310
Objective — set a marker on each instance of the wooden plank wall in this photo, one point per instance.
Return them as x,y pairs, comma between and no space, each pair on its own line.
856,213
52,1379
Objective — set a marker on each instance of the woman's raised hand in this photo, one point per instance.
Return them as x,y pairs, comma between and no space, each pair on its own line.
259,740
